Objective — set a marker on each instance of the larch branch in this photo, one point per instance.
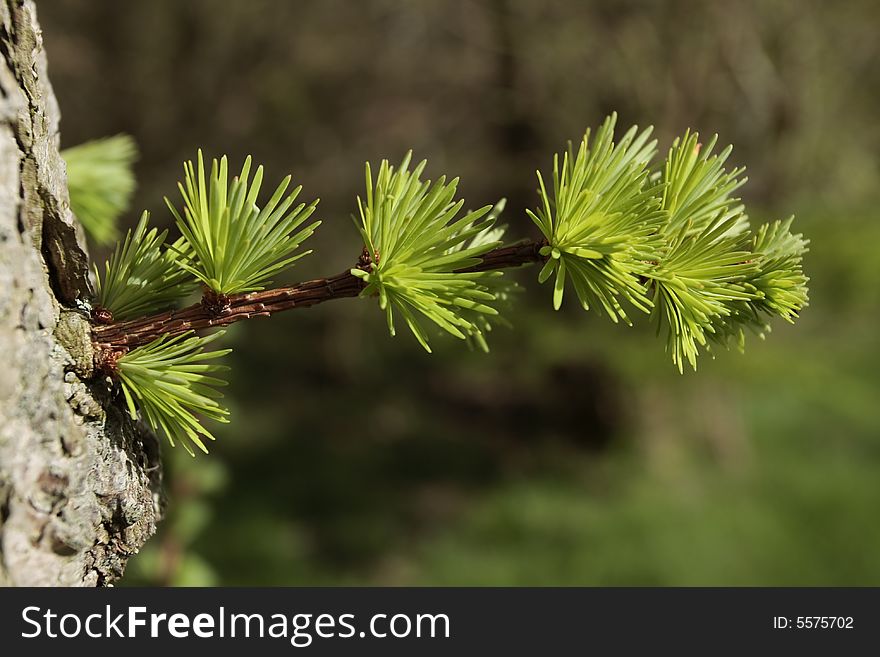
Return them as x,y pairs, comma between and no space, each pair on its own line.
121,336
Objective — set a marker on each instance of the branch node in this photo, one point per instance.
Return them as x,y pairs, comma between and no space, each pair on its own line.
365,260
101,315
107,359
216,303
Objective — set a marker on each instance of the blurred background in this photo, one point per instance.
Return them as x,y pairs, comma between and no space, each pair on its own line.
574,453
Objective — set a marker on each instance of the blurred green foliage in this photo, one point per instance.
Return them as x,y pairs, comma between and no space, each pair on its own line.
101,183
573,453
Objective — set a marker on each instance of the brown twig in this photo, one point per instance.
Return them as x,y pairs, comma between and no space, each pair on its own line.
121,336
504,257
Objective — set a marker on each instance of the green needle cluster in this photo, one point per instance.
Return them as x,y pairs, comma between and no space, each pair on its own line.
142,276
237,246
673,243
417,243
169,380
602,224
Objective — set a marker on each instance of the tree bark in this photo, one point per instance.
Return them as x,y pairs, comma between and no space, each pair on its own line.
79,482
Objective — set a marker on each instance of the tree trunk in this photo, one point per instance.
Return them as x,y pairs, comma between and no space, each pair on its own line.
79,482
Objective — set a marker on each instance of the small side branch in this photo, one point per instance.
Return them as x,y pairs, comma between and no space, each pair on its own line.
135,332
524,253
122,336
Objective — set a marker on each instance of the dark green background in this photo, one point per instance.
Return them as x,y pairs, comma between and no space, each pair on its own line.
574,453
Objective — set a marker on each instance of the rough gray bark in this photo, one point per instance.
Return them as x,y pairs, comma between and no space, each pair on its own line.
79,482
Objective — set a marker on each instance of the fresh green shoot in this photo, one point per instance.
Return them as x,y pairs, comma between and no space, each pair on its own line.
704,287
701,283
169,380
414,239
697,189
780,280
101,183
675,243
142,277
235,245
602,222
